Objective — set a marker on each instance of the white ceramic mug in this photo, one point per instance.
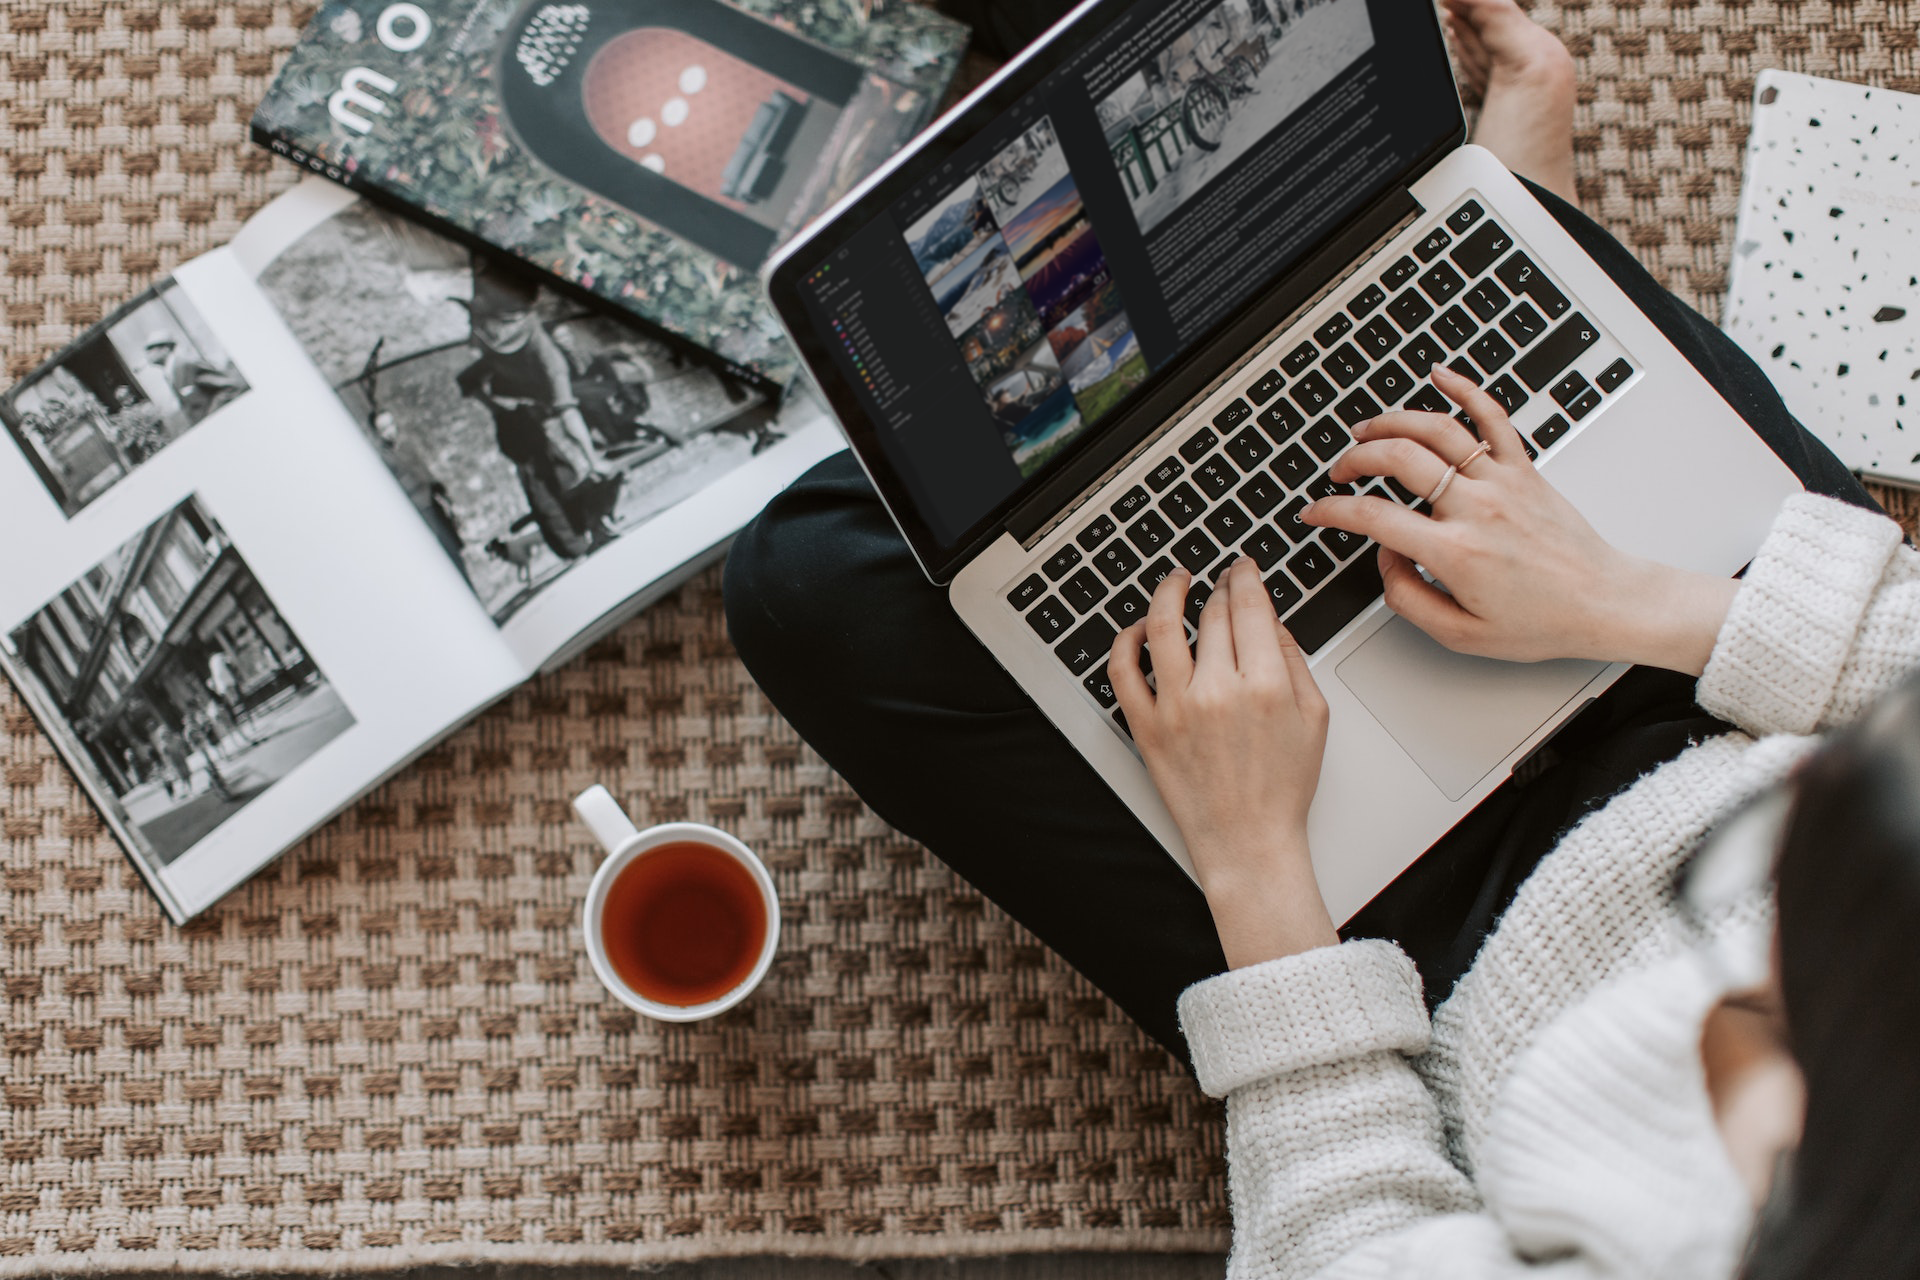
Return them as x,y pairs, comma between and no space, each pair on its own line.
626,843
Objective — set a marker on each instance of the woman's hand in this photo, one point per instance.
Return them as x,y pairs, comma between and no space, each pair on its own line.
1526,577
1233,740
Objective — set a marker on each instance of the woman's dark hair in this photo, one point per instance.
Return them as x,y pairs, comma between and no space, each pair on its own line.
1849,938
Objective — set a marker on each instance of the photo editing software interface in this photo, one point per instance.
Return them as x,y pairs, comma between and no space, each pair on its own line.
1170,170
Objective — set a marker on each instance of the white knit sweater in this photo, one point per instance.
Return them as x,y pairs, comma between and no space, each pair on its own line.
1552,1116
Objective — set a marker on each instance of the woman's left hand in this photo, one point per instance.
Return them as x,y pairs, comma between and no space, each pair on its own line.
1233,740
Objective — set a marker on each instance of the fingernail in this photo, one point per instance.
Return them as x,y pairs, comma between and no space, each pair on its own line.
1360,428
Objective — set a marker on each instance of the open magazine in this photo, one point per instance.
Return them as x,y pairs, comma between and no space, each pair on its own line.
306,505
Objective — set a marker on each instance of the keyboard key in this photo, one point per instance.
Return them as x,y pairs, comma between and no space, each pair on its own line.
1299,359
1357,408
1399,273
1216,475
1550,431
1100,687
1568,389
1324,486
1294,467
1441,282
1532,453
1367,302
1508,393
1377,338
1524,324
1290,523
1228,523
1520,275
1429,400
1051,620
1390,382
1283,593
1345,364
1400,491
1169,470
1614,376
1154,574
1556,351
1492,351
1249,449
1197,596
1434,245
1267,387
1342,543
1313,393
1195,550
1589,401
1421,354
1096,533
1339,602
1326,439
1150,533
1486,300
1182,505
1236,412
1482,249
1329,333
1060,562
1311,565
1127,607
1464,367
1120,719
1410,310
1116,561
1266,546
1030,590
1131,503
1280,420
1199,444
1088,645
1455,328
1465,216
1261,494
1083,591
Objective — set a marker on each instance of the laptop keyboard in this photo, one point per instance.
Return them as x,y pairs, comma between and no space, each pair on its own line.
1235,479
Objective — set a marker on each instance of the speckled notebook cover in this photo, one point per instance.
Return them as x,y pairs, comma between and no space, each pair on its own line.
1825,285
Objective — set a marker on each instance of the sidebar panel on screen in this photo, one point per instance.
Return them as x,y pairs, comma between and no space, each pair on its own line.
893,347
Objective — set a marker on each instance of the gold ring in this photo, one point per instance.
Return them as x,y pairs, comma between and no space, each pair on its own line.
1483,447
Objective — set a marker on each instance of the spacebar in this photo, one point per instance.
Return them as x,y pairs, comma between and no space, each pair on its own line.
1339,602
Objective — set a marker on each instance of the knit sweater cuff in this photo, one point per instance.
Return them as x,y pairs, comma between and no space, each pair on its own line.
1312,1009
1780,652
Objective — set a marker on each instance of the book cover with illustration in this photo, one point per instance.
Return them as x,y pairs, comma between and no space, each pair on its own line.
652,152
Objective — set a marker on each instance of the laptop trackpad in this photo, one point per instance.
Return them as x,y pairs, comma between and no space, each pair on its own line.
1457,716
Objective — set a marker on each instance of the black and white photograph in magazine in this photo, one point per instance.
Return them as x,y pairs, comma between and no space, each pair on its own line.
527,430
189,693
131,386
1218,88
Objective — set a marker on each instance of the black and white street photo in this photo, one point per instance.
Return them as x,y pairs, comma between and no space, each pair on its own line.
1219,88
138,381
183,684
527,430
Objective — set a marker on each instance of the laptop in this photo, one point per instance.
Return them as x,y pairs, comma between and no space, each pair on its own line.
1117,311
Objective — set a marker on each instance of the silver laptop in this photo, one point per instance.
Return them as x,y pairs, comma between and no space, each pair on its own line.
1116,312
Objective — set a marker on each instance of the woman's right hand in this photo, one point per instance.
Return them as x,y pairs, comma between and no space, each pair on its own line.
1526,577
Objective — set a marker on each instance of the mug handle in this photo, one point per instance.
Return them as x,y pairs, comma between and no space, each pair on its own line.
604,817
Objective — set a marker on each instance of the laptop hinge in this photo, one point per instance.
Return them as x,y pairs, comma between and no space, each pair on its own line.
1058,499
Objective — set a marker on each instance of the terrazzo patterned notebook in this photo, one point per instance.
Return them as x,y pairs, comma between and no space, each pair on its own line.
1825,286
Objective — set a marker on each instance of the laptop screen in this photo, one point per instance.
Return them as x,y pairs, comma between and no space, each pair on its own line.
1173,160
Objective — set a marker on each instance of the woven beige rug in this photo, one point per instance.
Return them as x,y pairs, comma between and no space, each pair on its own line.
387,1049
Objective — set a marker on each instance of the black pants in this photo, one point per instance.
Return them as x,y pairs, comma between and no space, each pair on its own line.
869,662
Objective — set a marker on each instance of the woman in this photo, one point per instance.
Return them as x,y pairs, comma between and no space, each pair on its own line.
1588,1098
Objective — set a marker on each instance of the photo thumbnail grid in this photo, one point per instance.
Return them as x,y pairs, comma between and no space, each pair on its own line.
1016,270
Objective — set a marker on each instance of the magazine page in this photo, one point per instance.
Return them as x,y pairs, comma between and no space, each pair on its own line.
651,153
214,598
562,458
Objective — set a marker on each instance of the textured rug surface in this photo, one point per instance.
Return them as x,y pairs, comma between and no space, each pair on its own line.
388,1049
